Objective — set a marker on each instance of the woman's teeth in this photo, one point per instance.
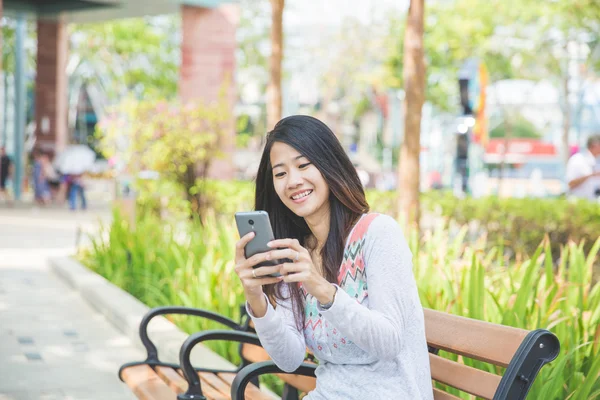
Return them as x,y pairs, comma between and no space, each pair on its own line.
301,195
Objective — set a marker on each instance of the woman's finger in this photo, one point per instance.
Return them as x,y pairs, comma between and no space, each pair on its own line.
281,254
262,281
261,271
292,268
241,244
296,277
289,243
255,259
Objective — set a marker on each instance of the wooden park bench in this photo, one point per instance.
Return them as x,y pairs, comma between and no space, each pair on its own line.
515,357
153,379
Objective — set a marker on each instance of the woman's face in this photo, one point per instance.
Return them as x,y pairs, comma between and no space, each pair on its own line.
298,183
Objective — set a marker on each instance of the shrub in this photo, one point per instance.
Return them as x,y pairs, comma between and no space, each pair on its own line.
192,264
176,141
521,224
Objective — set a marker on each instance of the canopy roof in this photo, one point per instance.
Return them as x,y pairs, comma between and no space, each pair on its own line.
80,11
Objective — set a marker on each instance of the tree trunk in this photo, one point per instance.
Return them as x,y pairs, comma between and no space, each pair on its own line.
274,87
414,87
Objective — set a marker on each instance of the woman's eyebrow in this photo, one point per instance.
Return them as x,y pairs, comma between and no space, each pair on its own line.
281,164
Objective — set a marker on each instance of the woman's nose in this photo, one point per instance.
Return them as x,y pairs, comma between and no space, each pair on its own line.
294,179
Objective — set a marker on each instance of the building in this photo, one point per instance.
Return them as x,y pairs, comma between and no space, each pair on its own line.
208,44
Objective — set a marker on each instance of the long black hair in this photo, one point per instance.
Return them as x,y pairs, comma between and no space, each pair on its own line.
347,202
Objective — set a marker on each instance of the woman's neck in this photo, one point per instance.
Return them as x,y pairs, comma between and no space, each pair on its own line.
319,226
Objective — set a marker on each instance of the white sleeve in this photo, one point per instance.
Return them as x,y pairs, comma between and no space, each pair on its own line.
392,293
575,167
279,335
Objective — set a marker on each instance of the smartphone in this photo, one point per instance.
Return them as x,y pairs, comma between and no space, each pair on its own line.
259,223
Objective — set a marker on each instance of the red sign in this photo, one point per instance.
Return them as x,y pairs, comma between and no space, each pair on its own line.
525,147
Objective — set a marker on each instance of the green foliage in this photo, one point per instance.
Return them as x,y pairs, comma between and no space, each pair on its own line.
9,39
519,128
520,225
227,198
191,264
187,264
136,54
178,141
465,280
454,32
514,38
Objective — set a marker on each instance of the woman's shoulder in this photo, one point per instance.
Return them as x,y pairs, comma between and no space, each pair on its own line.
373,225
381,222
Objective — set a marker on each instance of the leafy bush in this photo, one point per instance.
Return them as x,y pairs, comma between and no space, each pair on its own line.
521,224
516,225
177,141
192,264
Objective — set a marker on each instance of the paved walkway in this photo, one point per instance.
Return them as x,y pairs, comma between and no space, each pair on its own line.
53,345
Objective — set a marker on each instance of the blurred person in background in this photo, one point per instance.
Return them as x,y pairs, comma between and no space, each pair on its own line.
583,174
5,174
40,183
76,189
52,177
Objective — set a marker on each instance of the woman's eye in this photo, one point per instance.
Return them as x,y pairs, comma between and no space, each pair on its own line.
279,175
302,166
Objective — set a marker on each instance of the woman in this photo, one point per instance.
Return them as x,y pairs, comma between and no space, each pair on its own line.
348,292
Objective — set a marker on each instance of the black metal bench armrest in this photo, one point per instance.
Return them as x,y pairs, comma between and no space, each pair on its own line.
190,373
253,371
152,352
537,349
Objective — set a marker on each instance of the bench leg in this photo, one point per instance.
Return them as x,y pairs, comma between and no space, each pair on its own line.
290,393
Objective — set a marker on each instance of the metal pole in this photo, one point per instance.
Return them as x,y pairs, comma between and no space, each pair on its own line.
19,105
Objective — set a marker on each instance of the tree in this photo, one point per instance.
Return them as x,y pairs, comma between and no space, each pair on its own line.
177,141
274,88
414,87
566,28
139,55
493,31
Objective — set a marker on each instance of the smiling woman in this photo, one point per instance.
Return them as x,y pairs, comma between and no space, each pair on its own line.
346,289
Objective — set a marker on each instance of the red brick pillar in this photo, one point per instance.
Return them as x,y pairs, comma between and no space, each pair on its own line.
51,86
208,61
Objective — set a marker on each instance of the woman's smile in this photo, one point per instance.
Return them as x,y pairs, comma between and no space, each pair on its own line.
301,196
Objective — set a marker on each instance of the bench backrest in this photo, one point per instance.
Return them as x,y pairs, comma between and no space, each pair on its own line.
521,352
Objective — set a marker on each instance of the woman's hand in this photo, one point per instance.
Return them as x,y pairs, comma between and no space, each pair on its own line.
253,278
301,268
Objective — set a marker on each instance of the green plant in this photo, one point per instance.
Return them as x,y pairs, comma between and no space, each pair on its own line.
520,225
466,280
520,127
177,141
192,264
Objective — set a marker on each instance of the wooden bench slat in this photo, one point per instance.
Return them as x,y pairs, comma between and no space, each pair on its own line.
209,390
301,382
441,395
475,339
217,383
146,384
252,392
254,353
172,379
471,380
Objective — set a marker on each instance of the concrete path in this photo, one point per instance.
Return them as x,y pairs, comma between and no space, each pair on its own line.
53,345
